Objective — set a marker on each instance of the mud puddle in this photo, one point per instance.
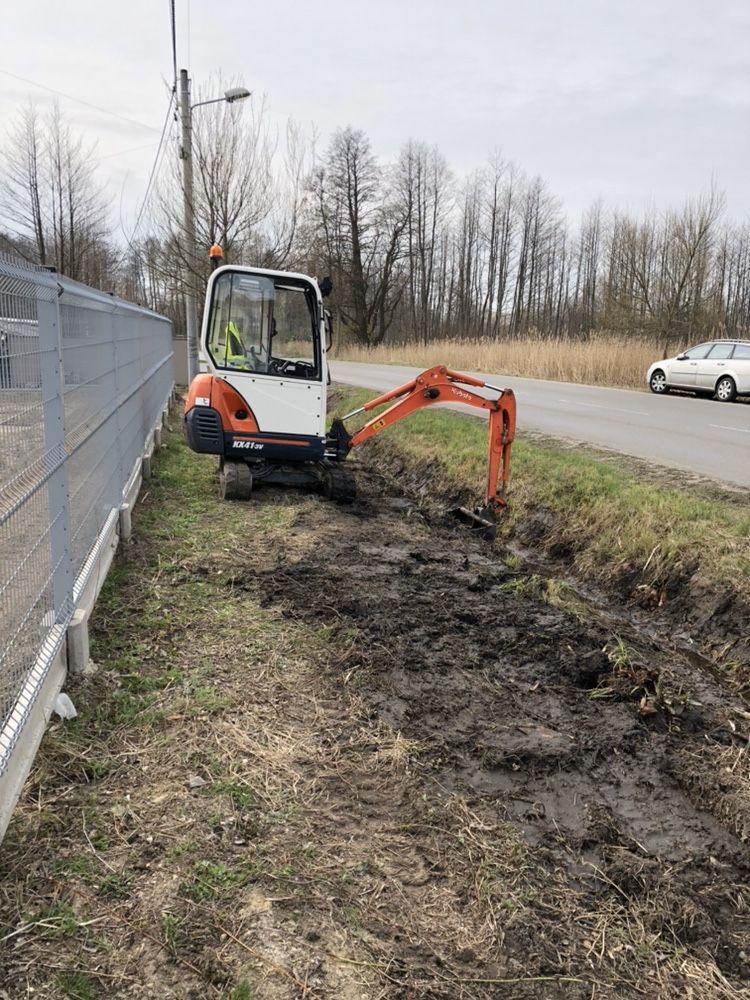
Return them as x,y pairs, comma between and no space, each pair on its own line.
577,739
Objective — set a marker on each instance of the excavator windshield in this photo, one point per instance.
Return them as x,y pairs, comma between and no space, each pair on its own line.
263,324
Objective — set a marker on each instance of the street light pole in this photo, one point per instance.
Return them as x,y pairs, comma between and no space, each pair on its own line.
189,271
190,268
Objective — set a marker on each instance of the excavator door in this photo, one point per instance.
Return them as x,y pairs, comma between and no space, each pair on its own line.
264,336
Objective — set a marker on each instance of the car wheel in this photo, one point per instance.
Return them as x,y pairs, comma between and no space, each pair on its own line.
726,390
658,382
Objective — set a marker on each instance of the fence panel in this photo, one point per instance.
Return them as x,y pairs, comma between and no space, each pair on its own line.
84,380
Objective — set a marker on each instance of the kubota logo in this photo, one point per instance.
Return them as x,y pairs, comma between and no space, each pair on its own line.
458,392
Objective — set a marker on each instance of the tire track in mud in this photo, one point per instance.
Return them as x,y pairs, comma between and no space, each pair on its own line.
515,702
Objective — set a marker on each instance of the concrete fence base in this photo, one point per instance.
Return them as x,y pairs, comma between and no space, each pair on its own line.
72,653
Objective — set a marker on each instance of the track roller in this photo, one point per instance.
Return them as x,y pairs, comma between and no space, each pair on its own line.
235,481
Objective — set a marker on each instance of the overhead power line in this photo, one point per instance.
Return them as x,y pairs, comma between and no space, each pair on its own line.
153,174
87,104
122,152
174,44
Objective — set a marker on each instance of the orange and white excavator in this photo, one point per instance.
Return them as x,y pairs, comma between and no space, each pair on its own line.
260,403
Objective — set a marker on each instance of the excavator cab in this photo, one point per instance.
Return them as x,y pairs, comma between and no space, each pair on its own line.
263,351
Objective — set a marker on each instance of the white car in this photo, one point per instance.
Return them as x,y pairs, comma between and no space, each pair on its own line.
718,367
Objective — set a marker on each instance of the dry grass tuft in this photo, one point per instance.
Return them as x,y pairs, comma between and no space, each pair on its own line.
719,777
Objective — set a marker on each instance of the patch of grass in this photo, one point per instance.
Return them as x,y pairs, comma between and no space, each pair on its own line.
239,793
77,986
619,655
137,683
56,920
242,991
127,708
116,885
212,879
171,928
99,840
79,866
206,698
183,847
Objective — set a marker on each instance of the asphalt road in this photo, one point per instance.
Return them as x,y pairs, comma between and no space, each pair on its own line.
696,434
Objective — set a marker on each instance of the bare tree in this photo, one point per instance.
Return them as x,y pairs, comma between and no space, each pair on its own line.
360,227
669,265
499,232
22,161
249,193
76,205
51,195
422,181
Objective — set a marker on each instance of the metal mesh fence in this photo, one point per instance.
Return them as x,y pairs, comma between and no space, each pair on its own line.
84,377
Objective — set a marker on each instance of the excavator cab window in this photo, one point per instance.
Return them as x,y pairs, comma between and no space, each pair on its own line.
264,325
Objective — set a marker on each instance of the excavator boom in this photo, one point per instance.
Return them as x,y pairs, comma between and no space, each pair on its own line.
442,385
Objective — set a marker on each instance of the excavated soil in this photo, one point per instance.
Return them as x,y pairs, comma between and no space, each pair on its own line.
712,619
596,751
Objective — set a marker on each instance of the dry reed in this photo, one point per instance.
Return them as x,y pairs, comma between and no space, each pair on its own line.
601,360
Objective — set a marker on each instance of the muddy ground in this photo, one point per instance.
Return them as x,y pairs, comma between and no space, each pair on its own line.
592,749
459,779
707,618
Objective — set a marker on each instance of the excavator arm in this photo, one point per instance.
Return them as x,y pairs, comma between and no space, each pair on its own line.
441,385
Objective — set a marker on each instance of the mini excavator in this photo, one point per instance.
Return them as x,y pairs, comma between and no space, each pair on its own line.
260,403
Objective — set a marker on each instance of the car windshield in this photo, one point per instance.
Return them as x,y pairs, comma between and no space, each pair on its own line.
263,325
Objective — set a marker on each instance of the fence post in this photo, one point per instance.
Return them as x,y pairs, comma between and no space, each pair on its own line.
122,472
52,383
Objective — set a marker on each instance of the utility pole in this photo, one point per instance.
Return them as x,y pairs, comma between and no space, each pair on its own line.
189,268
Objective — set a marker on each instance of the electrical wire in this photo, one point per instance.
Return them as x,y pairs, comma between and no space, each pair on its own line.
87,104
122,152
174,44
153,174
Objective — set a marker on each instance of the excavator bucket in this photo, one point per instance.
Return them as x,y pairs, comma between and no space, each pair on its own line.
482,520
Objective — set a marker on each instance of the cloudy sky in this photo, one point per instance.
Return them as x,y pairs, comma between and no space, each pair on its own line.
639,102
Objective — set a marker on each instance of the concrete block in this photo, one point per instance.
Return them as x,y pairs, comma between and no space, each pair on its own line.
126,522
146,460
157,436
78,642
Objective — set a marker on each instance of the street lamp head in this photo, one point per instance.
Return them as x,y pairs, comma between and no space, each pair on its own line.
236,94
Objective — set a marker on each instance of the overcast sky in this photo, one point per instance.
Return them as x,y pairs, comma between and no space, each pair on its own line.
639,102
